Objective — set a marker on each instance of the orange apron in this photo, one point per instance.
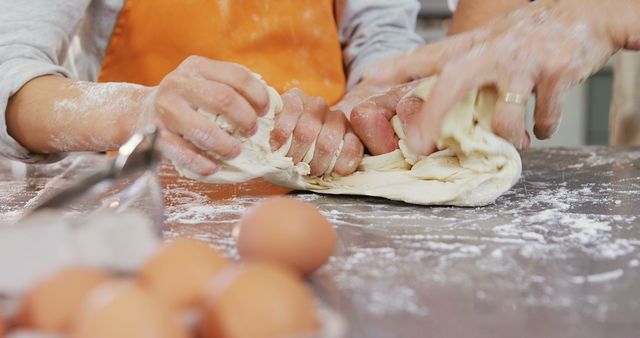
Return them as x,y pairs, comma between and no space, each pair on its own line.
291,43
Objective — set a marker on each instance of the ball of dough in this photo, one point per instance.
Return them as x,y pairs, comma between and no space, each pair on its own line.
124,309
258,300
179,271
53,302
286,231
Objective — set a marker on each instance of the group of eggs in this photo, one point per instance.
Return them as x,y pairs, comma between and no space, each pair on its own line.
188,289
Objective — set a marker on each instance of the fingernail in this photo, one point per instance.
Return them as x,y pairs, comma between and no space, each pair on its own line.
263,110
274,145
212,169
237,150
252,131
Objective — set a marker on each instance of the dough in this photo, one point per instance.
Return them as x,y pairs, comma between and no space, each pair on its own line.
473,168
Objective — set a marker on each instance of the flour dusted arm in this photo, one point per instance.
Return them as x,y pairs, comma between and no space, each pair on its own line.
34,38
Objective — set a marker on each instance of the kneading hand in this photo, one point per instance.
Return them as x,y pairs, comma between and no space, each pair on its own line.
546,47
187,135
308,119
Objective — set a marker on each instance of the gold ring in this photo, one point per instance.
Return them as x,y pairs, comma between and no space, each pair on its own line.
514,98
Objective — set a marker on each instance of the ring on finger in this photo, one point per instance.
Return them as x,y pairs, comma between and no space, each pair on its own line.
515,98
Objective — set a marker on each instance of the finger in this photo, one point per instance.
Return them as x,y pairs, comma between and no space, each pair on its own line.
408,108
455,82
422,62
198,129
185,155
308,127
286,120
408,111
389,100
351,155
372,125
371,120
219,98
328,142
236,76
549,102
509,117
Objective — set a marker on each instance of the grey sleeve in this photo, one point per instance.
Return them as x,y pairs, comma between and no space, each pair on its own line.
371,30
34,39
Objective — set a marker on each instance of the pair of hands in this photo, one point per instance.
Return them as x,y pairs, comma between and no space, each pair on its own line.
194,141
545,48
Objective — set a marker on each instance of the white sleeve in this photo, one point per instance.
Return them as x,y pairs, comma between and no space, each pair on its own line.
34,39
371,30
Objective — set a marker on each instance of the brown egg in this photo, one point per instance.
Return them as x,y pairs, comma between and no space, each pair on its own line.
52,303
124,309
257,300
178,273
286,231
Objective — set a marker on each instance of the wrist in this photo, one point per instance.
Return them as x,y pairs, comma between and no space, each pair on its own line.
144,99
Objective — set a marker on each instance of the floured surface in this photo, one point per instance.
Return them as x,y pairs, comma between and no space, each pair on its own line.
560,253
557,256
473,169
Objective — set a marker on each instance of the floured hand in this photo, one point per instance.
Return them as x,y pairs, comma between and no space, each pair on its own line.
546,47
178,105
319,136
371,119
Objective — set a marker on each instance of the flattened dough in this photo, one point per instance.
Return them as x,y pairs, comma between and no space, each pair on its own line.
473,168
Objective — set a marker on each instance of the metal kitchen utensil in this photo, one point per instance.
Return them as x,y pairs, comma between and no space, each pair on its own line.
136,155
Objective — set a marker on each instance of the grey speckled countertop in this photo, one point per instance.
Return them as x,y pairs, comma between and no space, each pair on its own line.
557,256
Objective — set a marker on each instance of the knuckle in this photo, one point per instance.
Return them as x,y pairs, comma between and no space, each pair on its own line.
292,105
242,75
192,61
304,135
325,147
172,81
163,104
319,103
225,98
279,134
360,114
295,92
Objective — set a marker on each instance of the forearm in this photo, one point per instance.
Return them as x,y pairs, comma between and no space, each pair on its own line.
54,114
471,14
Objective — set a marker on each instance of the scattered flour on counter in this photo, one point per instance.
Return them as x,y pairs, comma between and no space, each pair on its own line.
188,207
599,277
379,268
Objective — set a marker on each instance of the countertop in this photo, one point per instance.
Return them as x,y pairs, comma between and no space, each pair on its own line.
557,256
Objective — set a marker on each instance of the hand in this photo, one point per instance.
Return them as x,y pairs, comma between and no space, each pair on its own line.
546,47
187,136
310,120
371,119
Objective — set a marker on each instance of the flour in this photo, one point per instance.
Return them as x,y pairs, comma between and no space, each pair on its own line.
598,278
112,100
